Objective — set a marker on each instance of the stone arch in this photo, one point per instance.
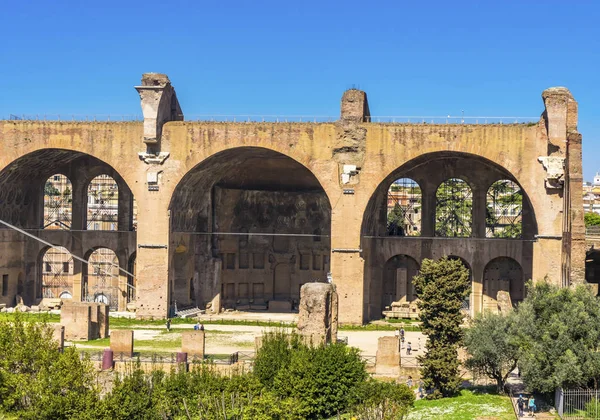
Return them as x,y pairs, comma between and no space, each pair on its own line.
58,202
429,171
502,274
22,186
102,203
246,218
100,280
454,209
56,271
397,280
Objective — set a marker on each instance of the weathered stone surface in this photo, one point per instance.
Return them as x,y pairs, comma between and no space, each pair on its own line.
76,318
318,318
349,163
121,342
387,360
504,302
193,343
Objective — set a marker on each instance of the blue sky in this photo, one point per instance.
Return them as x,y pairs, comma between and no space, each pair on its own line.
296,58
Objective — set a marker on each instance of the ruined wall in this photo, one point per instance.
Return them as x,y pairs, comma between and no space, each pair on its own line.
350,159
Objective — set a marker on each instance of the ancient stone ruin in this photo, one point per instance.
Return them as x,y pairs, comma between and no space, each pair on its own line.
318,319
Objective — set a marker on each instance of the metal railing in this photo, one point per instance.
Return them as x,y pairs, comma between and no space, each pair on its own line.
578,404
253,118
409,361
592,231
170,358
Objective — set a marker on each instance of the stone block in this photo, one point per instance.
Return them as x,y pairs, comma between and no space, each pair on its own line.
100,320
504,302
193,343
387,360
280,306
317,321
121,342
76,318
257,342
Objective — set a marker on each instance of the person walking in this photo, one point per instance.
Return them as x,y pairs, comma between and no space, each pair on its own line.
521,405
408,349
201,327
168,323
532,406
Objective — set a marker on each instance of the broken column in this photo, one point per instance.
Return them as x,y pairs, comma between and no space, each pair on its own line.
318,317
387,360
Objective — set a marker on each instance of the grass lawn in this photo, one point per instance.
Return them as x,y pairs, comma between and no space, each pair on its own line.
125,323
469,405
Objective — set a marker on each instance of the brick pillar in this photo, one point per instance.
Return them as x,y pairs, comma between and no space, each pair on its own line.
575,221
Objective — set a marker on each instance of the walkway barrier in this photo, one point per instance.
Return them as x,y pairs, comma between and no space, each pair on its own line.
577,404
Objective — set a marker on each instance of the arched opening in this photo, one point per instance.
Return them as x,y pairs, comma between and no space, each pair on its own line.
249,226
101,278
58,201
397,288
504,210
102,204
454,209
453,188
57,272
502,274
404,208
26,202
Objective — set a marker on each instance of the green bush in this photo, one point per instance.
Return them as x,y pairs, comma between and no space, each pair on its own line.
383,401
37,380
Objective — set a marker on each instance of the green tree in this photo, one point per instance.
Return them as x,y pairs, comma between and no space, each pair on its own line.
441,286
592,219
50,190
492,349
558,331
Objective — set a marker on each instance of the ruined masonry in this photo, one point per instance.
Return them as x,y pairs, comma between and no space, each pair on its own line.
175,214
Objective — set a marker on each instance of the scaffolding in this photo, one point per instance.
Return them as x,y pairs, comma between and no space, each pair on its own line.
103,204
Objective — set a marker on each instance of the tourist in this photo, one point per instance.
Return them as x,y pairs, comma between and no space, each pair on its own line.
521,405
532,406
408,349
420,390
201,327
196,326
168,324
401,332
401,342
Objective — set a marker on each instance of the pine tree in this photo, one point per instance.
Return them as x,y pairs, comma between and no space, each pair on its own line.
442,286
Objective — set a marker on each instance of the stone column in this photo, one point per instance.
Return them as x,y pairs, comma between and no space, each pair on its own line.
428,211
79,204
479,210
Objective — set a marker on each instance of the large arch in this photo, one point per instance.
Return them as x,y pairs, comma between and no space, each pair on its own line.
429,171
249,226
22,199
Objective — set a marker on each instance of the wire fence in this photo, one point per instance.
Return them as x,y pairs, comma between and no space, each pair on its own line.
254,118
171,358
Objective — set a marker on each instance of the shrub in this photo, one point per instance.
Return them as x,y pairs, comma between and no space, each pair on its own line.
384,401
